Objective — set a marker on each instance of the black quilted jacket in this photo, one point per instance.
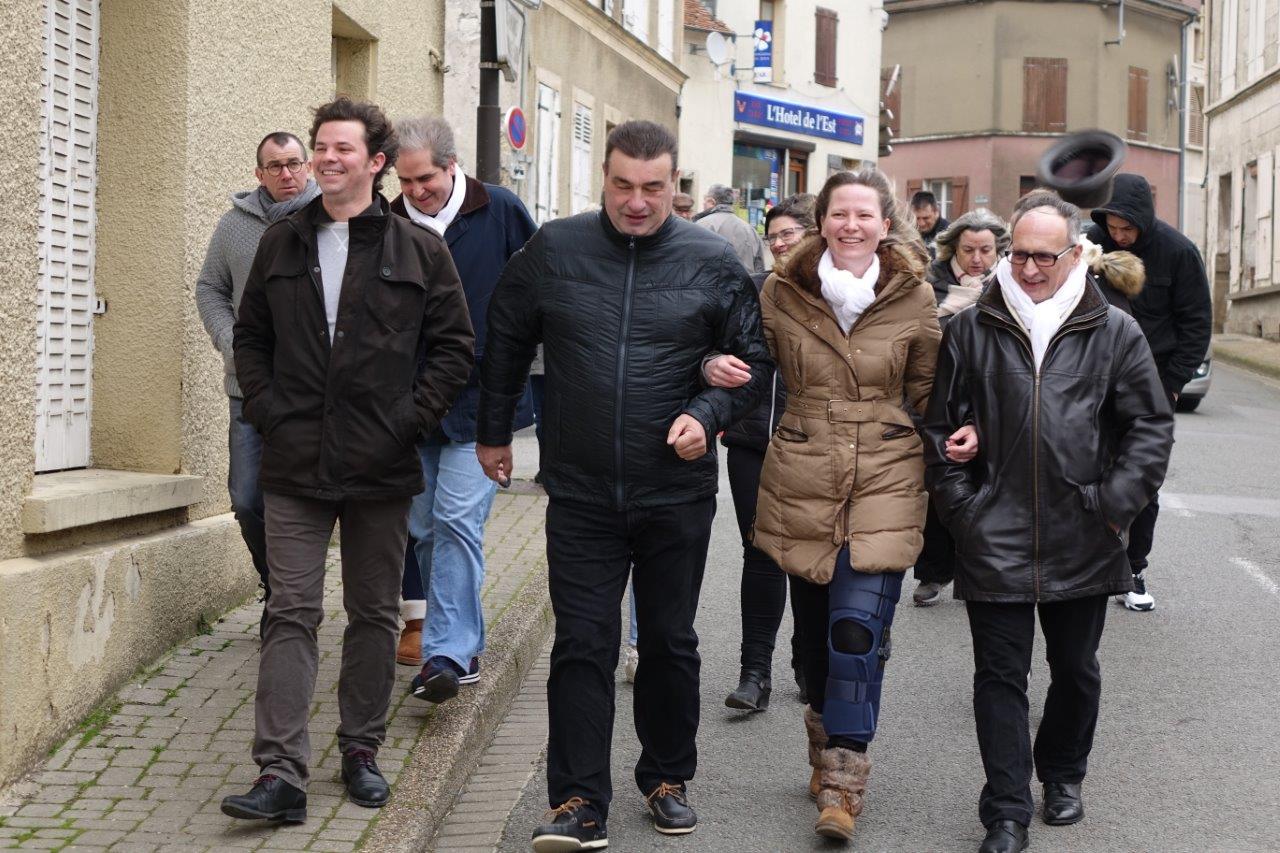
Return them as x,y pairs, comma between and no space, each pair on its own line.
624,323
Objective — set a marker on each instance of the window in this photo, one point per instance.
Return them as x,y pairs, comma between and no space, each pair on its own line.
65,297
1249,226
635,17
667,28
1227,48
1044,94
546,205
580,166
824,72
1257,29
1195,117
353,56
941,189
893,100
1137,127
1197,42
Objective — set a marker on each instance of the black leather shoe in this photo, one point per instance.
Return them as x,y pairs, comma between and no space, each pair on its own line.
752,694
365,783
1063,805
669,806
1004,836
271,798
572,825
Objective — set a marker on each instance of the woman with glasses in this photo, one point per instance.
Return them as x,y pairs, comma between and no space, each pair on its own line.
967,252
764,586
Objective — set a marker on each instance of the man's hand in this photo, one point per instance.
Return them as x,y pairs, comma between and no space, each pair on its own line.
962,445
496,462
688,437
727,371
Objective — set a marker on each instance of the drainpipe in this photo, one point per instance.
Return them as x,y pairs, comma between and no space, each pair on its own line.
1184,90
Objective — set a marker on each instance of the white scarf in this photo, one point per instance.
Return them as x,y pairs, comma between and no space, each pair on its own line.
440,222
848,294
1041,319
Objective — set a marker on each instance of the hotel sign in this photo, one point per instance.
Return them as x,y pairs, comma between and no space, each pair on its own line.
797,118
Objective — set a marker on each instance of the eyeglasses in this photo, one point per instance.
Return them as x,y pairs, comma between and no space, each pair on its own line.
294,167
1042,259
785,235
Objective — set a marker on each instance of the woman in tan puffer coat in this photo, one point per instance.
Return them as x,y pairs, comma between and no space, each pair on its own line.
852,325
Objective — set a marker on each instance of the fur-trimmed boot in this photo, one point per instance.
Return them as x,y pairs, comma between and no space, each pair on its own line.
844,782
817,742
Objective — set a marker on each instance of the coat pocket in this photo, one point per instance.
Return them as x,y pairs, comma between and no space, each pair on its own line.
1090,497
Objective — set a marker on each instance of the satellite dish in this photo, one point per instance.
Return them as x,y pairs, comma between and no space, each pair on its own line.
717,48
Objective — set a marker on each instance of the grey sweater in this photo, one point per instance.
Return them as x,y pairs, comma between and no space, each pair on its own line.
227,262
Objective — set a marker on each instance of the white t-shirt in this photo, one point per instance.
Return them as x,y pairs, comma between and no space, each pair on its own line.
331,244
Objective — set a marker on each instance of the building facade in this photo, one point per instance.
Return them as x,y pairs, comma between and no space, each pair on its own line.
794,99
115,535
1243,149
578,68
983,88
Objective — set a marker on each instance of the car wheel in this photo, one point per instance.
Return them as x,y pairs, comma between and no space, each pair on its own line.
1188,404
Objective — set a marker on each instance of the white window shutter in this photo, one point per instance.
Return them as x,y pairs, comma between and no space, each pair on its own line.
546,205
666,28
581,165
635,17
68,152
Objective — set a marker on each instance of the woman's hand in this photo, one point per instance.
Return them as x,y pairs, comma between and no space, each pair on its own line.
962,445
726,371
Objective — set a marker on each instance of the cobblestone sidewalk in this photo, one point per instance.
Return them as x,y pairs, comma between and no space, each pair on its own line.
148,772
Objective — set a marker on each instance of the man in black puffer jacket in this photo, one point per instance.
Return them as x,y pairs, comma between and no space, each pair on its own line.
626,303
1175,311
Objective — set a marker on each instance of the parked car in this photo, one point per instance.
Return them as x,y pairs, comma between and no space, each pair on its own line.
1193,392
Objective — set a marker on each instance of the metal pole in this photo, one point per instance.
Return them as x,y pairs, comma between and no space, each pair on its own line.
488,113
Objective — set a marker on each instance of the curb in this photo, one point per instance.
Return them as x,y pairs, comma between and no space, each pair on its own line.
460,731
1267,368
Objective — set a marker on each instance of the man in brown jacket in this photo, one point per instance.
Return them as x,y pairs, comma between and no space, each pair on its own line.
353,339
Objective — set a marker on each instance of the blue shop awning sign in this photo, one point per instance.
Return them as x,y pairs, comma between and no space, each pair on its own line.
797,118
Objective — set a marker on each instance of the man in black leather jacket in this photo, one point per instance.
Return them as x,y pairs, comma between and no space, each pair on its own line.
626,303
1074,434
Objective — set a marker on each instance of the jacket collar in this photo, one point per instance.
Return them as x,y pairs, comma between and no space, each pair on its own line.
647,241
1092,306
475,197
373,219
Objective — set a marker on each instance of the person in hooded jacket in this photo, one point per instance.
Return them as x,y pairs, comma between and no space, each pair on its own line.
967,251
1075,432
853,326
1175,311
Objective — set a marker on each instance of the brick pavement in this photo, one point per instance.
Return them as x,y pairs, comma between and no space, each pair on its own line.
477,821
148,772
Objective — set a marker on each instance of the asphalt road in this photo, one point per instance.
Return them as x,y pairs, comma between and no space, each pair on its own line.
1187,753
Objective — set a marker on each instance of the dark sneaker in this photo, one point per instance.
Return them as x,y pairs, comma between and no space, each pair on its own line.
473,673
365,783
438,681
271,798
573,825
669,806
927,594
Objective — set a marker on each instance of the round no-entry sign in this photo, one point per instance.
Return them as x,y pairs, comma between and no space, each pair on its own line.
517,130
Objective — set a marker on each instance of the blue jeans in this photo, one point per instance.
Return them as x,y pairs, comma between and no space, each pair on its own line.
245,450
447,523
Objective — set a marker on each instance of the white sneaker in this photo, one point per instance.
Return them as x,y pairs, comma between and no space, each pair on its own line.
633,662
1139,600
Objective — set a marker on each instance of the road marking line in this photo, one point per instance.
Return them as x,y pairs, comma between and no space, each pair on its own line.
1258,574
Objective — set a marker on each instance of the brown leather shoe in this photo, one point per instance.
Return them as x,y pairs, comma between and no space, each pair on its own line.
409,652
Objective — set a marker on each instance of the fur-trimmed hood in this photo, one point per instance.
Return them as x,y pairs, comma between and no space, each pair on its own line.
896,257
1122,270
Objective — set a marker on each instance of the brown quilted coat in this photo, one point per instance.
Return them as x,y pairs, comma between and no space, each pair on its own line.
846,463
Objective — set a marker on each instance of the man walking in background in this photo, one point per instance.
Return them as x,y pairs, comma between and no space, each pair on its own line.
284,186
719,218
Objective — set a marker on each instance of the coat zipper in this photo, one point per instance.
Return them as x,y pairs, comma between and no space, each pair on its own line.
621,377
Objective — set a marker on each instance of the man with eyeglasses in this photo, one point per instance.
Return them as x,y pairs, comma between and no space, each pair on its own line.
284,186
1074,432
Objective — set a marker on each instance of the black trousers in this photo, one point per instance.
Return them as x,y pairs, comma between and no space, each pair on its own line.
764,584
1002,642
937,560
1142,534
590,552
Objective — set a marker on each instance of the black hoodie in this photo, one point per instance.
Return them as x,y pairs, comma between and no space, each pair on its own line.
1174,309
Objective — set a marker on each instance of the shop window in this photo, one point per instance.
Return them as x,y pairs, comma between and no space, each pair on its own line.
757,179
